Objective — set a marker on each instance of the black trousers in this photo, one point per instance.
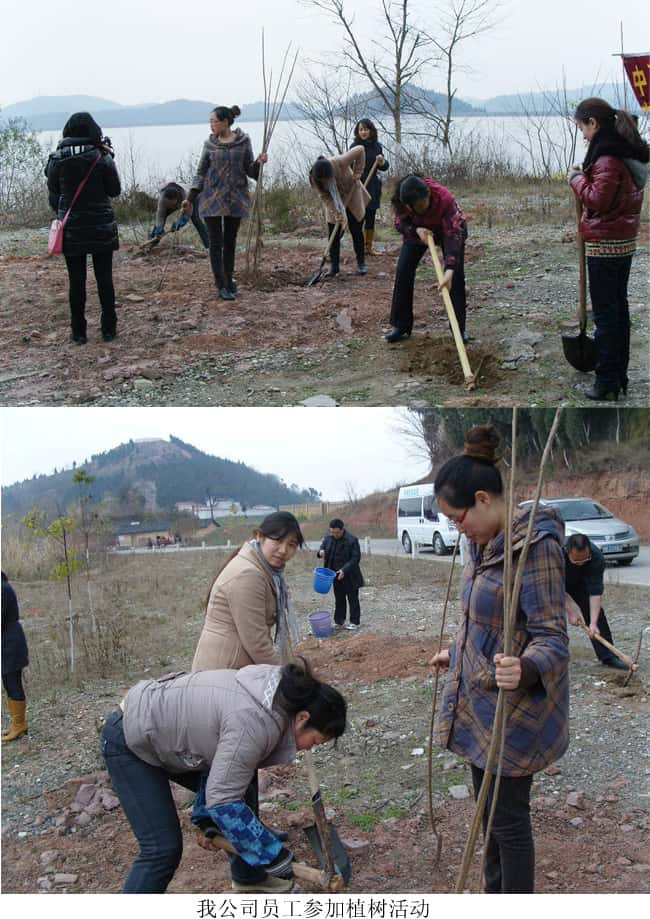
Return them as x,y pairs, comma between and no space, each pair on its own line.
602,653
344,595
358,242
222,232
608,279
510,852
401,311
369,219
103,268
13,684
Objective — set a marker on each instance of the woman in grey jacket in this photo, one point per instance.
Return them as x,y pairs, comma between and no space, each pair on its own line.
221,185
210,731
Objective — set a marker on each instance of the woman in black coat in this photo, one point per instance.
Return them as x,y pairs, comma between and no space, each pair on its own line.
14,660
91,227
365,134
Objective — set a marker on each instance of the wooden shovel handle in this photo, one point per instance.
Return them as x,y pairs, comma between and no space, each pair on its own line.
582,270
470,380
621,656
302,872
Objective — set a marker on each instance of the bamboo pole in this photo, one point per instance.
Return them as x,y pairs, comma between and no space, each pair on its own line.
432,818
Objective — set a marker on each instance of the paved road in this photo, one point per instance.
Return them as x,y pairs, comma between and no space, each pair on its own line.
636,573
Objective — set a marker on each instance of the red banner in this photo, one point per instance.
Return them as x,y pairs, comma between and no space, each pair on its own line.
637,68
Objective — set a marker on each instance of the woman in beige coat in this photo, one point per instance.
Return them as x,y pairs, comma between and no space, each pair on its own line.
247,607
248,600
337,181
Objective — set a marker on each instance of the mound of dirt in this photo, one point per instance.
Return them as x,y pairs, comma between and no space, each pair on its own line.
366,656
437,357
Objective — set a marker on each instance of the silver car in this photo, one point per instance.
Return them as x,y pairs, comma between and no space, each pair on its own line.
617,541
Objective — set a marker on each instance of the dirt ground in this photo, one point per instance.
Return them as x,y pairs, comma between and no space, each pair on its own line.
591,817
280,342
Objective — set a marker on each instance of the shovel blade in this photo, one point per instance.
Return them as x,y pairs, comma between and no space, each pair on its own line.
580,351
339,853
315,278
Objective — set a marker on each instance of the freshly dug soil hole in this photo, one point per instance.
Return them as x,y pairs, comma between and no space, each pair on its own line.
367,656
438,357
276,279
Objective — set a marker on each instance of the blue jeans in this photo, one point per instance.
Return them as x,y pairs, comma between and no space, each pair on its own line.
608,278
510,853
146,798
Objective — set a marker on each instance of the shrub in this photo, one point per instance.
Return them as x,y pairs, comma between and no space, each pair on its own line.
23,191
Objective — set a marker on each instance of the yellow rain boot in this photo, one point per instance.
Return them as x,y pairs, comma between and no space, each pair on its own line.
18,723
370,235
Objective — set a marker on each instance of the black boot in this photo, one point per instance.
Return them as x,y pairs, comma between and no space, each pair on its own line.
601,392
361,267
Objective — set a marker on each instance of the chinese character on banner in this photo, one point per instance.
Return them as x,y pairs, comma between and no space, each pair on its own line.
637,68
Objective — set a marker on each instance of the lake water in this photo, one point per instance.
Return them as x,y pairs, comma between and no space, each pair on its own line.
153,155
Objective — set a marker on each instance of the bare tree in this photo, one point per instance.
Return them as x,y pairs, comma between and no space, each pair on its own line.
399,52
328,104
457,22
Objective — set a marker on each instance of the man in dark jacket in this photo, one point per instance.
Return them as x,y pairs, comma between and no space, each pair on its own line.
341,553
585,567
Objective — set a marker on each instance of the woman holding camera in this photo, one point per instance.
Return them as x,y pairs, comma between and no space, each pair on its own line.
83,155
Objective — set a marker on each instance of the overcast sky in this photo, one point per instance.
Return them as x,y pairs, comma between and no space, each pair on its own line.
321,448
133,51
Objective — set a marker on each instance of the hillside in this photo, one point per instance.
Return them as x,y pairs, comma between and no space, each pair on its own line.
49,113
154,474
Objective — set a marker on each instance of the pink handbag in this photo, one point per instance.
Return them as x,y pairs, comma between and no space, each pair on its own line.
55,235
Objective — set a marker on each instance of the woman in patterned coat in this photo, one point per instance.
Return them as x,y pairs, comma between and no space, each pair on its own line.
469,491
221,185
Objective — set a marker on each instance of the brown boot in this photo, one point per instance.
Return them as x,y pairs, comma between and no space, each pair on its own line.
369,235
18,723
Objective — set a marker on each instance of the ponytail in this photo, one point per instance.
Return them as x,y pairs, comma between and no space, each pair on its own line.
617,120
301,691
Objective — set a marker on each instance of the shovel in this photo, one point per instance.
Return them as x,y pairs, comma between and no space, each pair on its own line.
315,278
580,350
301,871
322,836
470,379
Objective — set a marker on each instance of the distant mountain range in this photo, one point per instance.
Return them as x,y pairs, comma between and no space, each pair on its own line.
159,473
49,113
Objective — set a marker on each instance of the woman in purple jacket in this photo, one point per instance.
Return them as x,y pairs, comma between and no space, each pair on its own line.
469,491
422,206
221,185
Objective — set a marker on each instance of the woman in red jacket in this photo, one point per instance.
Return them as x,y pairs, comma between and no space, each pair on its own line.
421,206
610,188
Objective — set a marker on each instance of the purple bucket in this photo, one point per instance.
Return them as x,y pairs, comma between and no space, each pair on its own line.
320,623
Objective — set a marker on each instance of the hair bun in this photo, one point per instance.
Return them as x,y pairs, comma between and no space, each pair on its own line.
235,111
482,443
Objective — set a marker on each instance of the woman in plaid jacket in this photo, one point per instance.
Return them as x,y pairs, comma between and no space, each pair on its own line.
469,491
221,184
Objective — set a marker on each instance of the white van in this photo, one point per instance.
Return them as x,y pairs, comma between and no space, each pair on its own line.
419,520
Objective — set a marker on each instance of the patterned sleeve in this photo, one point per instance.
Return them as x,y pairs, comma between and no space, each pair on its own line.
251,166
199,178
542,602
237,822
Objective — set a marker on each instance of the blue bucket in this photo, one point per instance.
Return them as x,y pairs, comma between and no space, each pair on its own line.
323,578
320,623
